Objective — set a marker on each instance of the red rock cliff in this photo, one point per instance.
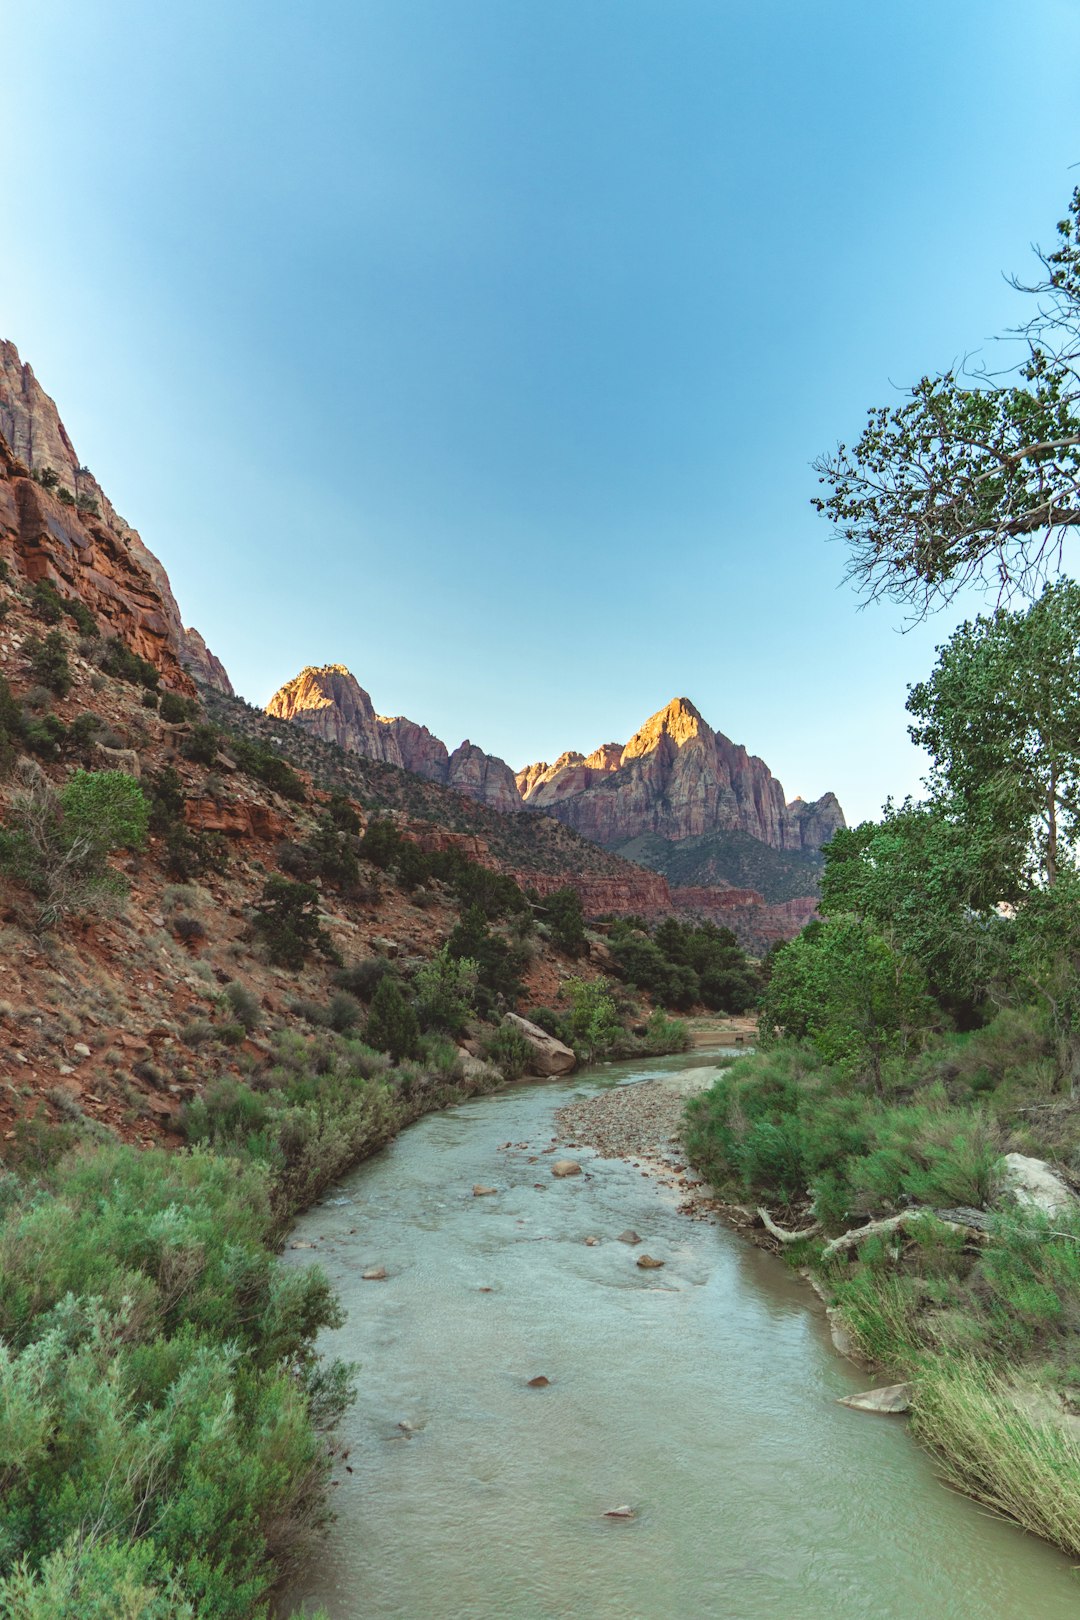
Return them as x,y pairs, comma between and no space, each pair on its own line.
81,535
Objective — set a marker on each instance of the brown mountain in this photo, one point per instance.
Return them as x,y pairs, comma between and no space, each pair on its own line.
676,778
74,532
331,704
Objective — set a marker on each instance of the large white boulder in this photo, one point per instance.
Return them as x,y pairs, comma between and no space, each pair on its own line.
1032,1184
549,1056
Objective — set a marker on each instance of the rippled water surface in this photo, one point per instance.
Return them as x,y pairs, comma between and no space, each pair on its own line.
703,1395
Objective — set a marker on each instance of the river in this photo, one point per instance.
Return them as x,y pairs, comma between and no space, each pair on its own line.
703,1395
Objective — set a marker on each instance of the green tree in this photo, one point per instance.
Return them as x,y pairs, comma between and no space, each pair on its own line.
975,477
594,1018
392,1025
1000,716
444,992
843,987
47,660
287,922
565,918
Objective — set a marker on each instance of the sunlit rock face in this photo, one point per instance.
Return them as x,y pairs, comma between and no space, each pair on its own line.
331,704
82,541
678,778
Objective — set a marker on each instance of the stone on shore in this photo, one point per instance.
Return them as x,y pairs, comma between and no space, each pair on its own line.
548,1056
889,1398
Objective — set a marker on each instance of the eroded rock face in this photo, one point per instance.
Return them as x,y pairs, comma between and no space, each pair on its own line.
331,703
678,778
85,543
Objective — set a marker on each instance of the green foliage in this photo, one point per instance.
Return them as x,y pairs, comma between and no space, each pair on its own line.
57,843
392,1024
47,661
497,962
685,964
509,1051
593,1018
176,709
155,1370
563,914
841,986
244,1005
268,767
444,992
201,745
974,477
117,659
46,603
287,923
188,853
493,894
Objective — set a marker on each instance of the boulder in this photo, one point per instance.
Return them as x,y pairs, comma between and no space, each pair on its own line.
1032,1184
549,1056
374,1274
565,1167
646,1262
889,1398
483,1192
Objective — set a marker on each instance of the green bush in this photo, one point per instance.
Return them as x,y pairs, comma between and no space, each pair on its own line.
57,843
47,661
117,659
392,1025
244,1005
509,1051
287,923
157,1382
444,992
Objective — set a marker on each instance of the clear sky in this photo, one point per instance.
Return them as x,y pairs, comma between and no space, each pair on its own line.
485,345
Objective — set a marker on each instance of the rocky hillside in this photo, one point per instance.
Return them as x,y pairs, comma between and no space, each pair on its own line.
70,530
676,778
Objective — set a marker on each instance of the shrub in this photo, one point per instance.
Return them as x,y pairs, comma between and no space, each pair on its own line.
244,1004
362,978
46,603
176,709
392,1026
57,842
593,1018
117,659
444,991
47,661
344,1012
201,745
509,1051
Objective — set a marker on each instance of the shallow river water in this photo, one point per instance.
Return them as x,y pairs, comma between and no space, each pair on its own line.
703,1395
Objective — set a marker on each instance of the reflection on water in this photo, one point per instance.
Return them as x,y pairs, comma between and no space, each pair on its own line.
703,1395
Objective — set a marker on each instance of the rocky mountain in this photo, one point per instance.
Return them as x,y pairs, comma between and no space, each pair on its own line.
67,521
676,779
331,704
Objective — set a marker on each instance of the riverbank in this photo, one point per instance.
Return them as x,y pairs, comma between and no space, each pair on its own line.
945,1247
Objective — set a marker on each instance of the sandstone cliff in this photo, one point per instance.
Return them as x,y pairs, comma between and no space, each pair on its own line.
329,702
676,778
39,444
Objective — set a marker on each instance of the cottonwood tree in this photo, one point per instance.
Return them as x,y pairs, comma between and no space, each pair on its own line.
975,477
1000,717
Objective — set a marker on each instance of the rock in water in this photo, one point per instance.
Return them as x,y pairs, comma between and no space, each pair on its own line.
629,1236
647,1263
483,1192
889,1398
374,1274
566,1167
539,1382
624,1512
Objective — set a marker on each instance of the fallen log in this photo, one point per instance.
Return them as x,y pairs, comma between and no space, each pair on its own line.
778,1231
892,1223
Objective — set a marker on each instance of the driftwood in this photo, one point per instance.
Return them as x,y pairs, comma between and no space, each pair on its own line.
778,1231
850,1240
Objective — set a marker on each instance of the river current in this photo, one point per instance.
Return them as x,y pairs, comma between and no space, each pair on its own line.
702,1395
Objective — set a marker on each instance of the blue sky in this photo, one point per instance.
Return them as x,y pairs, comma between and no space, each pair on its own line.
485,346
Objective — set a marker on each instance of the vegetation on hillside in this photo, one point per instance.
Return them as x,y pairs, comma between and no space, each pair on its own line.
733,857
